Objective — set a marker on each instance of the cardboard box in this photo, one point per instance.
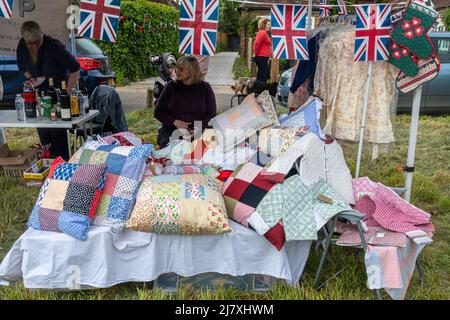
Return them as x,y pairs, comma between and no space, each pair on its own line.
38,172
15,162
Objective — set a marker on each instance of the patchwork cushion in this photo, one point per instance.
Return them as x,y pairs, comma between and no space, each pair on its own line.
275,141
126,166
244,190
265,102
69,198
236,124
306,115
183,204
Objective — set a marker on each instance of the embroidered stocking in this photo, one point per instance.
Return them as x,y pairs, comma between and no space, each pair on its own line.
411,31
402,58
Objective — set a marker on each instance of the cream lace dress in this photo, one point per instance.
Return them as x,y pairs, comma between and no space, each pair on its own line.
341,83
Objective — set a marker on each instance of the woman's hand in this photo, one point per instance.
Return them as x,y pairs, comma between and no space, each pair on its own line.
180,124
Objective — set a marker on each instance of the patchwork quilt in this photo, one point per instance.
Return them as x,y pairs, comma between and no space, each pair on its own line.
126,166
183,204
69,198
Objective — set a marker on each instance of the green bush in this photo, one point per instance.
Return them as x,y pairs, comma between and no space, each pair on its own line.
240,68
129,55
446,18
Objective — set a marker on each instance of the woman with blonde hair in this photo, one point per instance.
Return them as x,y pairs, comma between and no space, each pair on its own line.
262,50
186,100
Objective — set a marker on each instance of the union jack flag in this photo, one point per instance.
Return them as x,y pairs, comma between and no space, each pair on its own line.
99,19
373,26
324,9
198,26
289,31
6,7
342,8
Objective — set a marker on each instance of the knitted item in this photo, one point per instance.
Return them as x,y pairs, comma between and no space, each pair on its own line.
411,31
428,70
402,58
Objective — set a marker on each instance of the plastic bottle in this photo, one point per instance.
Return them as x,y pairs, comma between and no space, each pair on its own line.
29,95
20,107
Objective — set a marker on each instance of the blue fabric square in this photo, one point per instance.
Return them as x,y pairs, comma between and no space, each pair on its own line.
107,148
33,221
141,152
133,169
65,171
115,163
119,208
74,224
308,114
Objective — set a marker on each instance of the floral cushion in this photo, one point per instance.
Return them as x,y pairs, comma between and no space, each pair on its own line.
275,141
183,204
236,124
69,198
126,166
306,115
265,102
244,190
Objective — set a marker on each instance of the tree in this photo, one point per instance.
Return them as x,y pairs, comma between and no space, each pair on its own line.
446,19
229,17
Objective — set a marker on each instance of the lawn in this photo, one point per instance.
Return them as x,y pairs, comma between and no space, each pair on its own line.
431,192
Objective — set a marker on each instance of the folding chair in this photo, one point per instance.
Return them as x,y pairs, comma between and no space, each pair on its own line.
355,218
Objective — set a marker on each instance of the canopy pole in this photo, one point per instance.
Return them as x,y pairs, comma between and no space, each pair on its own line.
363,121
74,45
413,129
308,21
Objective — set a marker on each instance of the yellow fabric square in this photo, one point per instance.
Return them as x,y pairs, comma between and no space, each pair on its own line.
98,157
55,195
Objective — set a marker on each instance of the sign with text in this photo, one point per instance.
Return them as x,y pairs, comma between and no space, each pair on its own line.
51,15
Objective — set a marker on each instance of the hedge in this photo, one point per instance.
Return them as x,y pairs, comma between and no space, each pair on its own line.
129,55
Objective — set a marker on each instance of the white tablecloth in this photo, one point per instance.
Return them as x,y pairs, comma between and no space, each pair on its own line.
51,260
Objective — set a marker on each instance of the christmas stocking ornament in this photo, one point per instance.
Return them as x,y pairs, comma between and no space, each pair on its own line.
402,58
411,31
428,70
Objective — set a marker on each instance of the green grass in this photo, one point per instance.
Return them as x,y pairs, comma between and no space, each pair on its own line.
431,192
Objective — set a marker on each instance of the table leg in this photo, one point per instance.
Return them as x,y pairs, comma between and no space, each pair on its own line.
75,140
85,131
68,143
90,123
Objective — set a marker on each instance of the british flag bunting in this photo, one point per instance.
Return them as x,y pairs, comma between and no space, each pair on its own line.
99,19
198,26
6,7
289,31
373,27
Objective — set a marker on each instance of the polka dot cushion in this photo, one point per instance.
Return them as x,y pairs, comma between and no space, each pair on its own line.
126,167
69,198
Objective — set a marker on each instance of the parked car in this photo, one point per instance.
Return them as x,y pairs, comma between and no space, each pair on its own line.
95,70
435,93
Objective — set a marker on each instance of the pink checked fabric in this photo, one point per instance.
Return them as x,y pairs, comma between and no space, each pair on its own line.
385,208
126,139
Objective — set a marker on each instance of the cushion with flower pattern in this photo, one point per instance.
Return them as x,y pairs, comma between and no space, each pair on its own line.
190,204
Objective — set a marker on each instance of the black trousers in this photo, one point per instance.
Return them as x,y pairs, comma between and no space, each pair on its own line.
263,68
57,138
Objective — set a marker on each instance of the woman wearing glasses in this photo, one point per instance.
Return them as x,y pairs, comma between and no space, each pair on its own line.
184,101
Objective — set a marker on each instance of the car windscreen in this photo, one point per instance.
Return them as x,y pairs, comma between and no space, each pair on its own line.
442,47
87,47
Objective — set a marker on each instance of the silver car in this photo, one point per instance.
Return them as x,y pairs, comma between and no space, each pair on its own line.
435,94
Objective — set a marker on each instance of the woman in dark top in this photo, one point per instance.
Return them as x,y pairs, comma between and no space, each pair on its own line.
40,57
185,103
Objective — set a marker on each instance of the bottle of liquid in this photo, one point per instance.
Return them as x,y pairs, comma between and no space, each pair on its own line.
29,95
65,103
74,105
52,92
40,105
84,92
81,103
58,103
20,107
